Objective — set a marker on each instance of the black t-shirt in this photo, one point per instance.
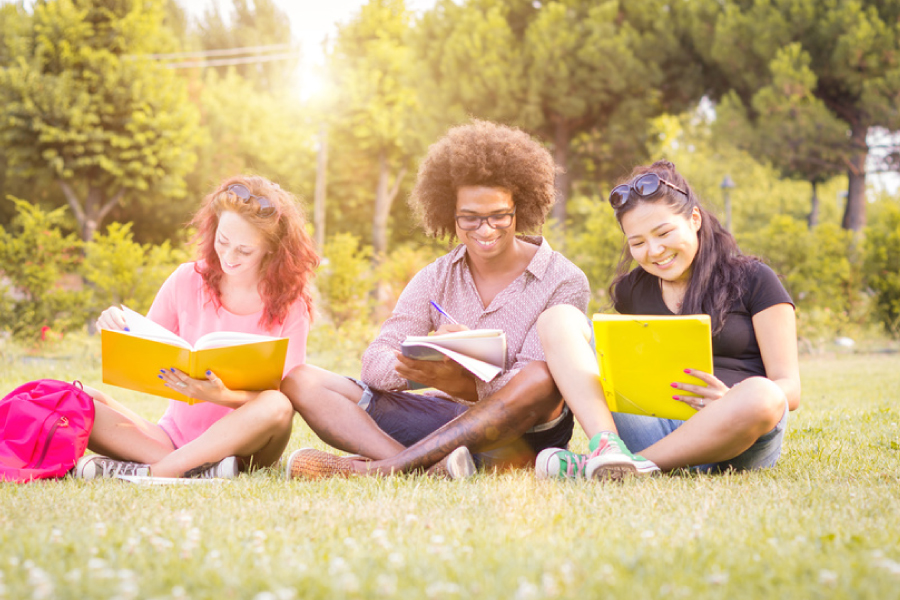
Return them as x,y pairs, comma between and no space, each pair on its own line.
735,349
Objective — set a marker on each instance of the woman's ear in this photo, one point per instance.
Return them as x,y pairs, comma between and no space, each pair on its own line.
696,219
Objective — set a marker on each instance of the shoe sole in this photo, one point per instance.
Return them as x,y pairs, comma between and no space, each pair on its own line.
616,471
460,463
542,464
290,461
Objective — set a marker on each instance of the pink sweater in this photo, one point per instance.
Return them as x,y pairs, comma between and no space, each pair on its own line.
184,307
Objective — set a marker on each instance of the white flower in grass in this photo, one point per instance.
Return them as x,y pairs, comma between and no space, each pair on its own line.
567,572
386,585
73,576
891,566
185,518
14,561
526,590
549,584
285,593
2,590
41,584
348,582
337,565
265,596
179,593
160,544
717,578
350,542
396,559
96,564
100,529
442,589
56,536
411,518
827,577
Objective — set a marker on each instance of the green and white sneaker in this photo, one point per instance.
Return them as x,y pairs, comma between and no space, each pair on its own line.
553,463
610,458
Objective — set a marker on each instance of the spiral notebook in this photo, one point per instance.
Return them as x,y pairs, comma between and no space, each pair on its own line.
640,356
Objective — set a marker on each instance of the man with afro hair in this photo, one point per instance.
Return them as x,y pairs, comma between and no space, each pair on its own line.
486,185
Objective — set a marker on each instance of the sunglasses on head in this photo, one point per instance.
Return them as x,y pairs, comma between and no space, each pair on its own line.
644,185
240,190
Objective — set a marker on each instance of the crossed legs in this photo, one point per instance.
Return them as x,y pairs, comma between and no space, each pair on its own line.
329,404
257,432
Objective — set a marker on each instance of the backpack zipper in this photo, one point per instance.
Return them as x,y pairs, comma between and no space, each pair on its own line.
60,422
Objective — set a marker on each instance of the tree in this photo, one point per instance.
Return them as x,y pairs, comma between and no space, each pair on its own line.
788,126
567,71
79,103
375,119
260,23
852,48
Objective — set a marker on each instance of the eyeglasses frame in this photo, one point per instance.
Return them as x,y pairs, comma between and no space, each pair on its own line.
485,219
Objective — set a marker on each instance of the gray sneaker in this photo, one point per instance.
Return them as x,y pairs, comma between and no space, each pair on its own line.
459,464
96,466
227,468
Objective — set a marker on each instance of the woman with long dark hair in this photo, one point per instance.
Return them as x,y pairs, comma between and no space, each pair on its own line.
687,263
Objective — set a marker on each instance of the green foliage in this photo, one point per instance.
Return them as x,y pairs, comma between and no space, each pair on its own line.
78,103
345,279
882,265
594,242
817,268
122,271
35,256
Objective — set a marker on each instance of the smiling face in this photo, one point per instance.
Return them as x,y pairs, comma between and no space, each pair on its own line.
661,240
239,245
486,242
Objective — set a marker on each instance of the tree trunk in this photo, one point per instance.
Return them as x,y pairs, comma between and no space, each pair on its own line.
319,198
855,213
813,219
561,139
94,210
384,198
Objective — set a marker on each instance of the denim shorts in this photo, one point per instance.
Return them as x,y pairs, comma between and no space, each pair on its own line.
639,432
409,417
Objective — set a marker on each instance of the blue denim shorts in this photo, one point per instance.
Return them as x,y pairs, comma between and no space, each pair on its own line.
639,432
409,417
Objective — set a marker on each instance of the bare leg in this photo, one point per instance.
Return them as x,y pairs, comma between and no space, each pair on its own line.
565,335
723,429
329,403
530,398
258,432
121,434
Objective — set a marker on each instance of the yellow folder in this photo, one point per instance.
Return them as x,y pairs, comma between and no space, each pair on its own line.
134,362
640,356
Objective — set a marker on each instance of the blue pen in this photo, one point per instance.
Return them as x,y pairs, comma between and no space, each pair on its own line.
438,308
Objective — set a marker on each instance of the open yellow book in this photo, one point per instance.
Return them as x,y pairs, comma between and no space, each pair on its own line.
481,351
243,361
640,356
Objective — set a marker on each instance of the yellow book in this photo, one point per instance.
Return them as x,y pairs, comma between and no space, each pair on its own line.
243,361
640,356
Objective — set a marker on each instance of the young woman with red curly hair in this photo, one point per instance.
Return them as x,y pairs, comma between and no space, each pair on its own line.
252,273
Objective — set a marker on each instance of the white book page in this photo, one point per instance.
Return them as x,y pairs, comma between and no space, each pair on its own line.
141,326
223,339
484,371
457,335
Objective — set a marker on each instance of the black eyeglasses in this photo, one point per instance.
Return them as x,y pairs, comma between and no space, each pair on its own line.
644,186
473,222
240,190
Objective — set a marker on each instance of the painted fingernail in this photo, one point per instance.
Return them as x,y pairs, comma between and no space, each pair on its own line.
209,372
171,369
674,385
128,329
160,376
687,370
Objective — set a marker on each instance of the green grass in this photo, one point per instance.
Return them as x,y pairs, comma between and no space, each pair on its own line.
822,524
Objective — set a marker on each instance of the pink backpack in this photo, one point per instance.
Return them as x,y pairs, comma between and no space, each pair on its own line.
44,429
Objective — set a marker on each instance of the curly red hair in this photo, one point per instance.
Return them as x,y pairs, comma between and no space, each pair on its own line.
291,261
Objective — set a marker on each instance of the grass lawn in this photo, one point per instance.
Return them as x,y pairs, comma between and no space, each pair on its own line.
822,524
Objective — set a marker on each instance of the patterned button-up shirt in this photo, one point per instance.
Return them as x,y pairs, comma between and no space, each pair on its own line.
549,279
